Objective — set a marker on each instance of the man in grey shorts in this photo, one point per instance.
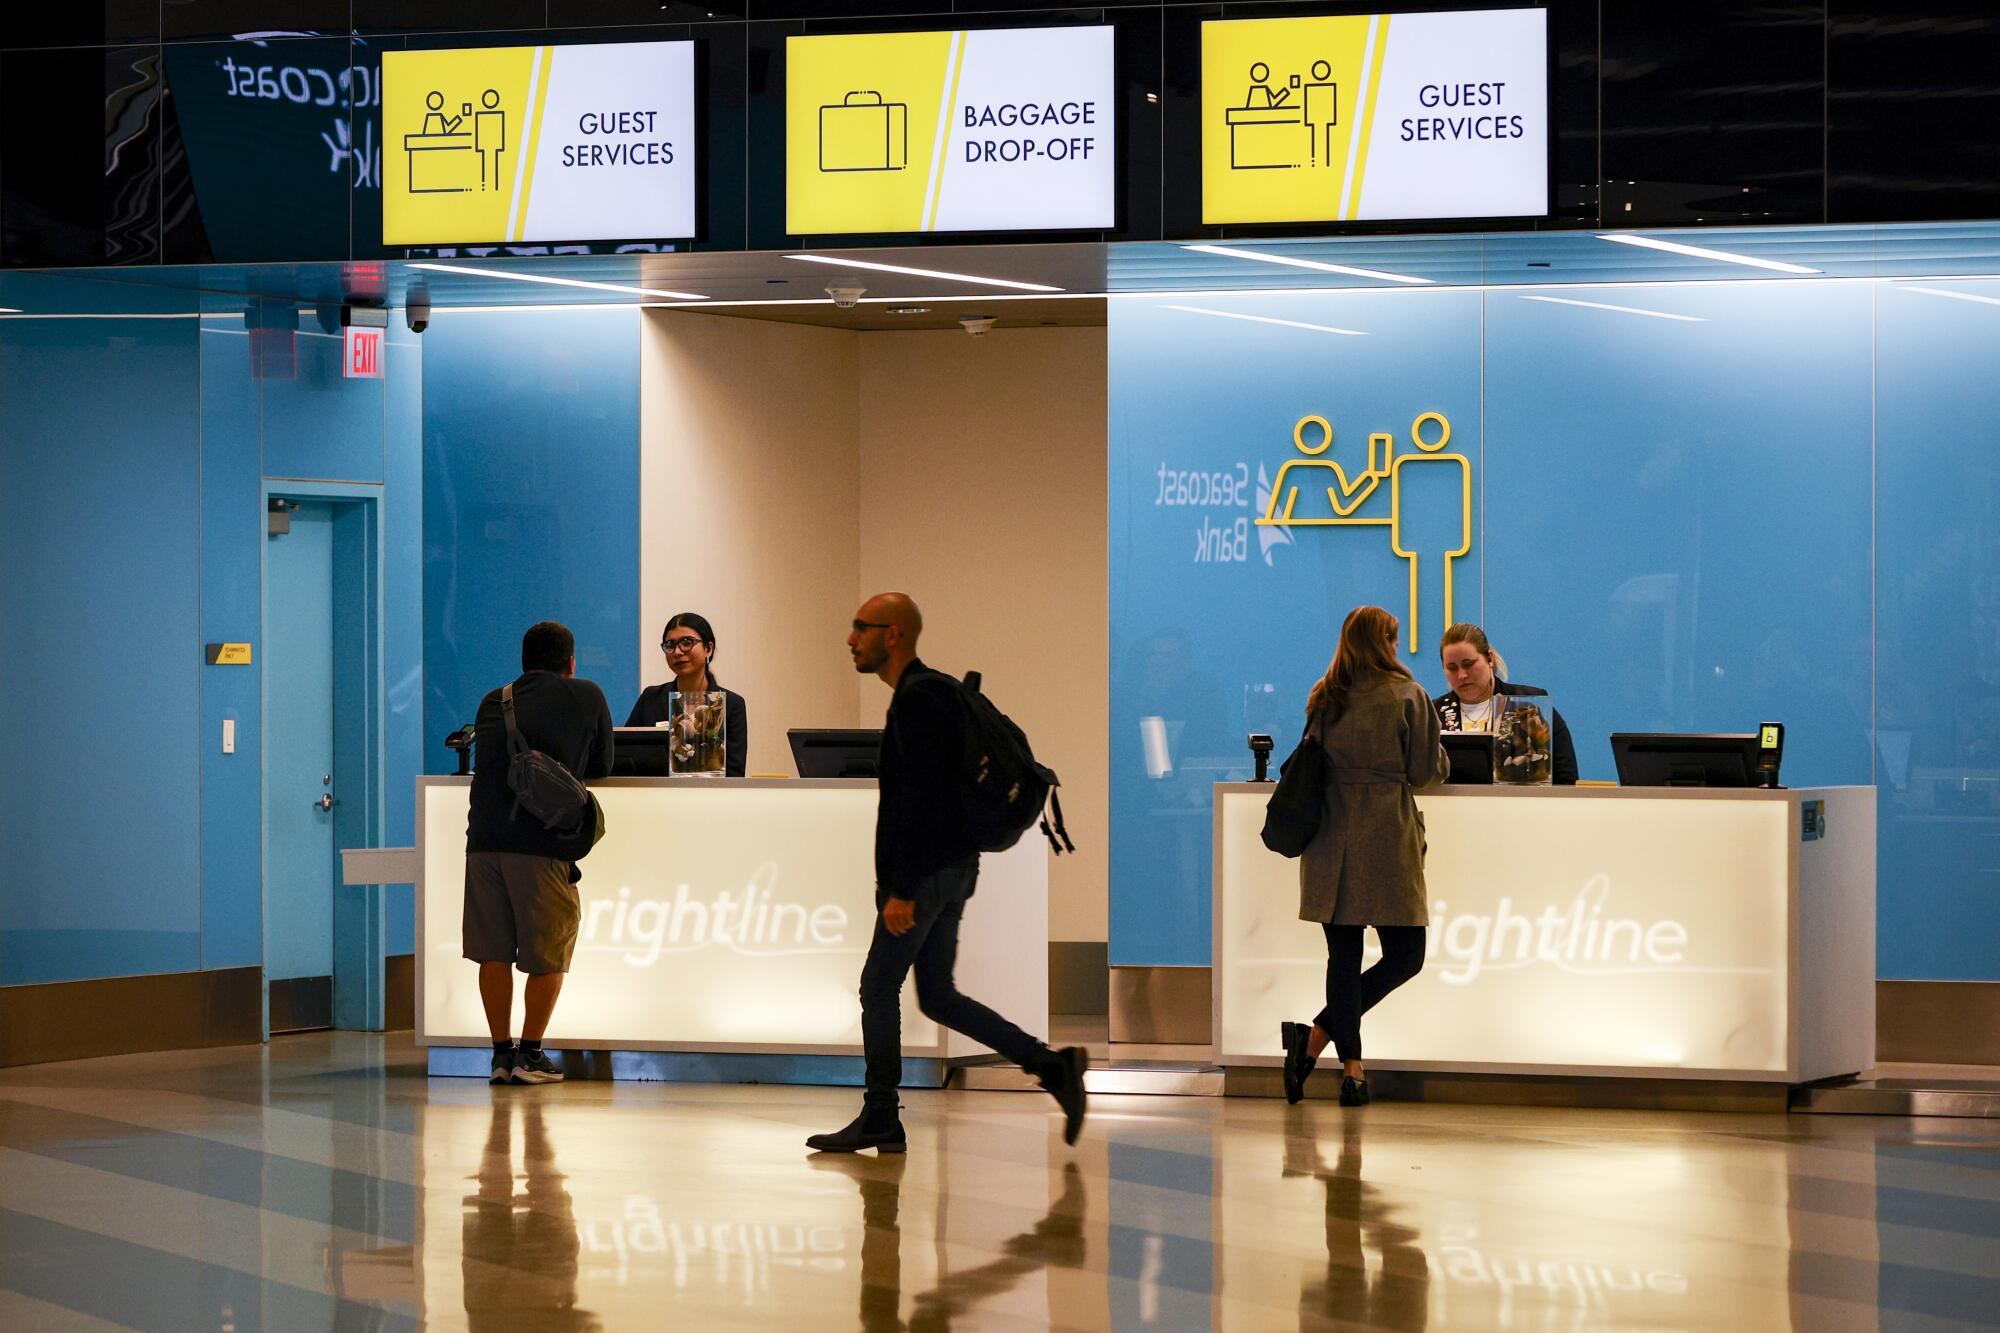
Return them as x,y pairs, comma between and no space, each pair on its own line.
521,905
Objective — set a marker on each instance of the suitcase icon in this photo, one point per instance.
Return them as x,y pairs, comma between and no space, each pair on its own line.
861,132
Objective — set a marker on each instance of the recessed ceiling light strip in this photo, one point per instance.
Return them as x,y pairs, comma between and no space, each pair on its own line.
872,266
557,282
1622,309
1262,257
1956,296
1703,252
1266,319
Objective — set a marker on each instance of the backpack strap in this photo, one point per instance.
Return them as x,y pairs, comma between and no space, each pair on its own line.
1059,831
516,742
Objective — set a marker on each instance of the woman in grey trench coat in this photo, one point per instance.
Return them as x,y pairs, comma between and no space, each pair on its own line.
1365,867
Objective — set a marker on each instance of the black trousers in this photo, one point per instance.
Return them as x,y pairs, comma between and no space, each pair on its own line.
1350,992
931,946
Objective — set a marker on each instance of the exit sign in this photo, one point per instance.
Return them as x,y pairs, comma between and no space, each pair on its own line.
361,352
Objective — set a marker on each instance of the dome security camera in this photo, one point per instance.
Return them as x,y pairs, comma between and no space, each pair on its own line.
977,325
846,295
417,308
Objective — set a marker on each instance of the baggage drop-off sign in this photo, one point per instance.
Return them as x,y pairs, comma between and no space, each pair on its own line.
1007,130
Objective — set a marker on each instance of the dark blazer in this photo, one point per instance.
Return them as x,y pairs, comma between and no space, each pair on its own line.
1564,765
651,710
920,824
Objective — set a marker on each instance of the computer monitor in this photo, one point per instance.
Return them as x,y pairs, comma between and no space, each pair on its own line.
831,752
1688,760
640,752
1471,755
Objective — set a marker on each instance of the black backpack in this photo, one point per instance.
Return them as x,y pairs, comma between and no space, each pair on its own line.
1006,790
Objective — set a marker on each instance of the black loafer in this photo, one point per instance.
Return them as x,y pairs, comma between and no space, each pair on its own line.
1297,1063
1353,1091
882,1132
1063,1078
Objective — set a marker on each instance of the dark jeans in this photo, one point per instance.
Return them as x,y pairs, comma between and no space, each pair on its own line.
931,946
1350,992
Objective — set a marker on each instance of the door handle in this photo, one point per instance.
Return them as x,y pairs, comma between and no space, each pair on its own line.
325,803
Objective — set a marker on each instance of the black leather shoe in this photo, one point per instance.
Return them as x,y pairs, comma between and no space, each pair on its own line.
1353,1091
1297,1063
880,1130
1063,1078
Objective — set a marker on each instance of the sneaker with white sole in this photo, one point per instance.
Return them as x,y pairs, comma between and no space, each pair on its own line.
503,1066
534,1066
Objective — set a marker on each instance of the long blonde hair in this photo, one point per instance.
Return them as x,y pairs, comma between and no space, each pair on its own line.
1367,644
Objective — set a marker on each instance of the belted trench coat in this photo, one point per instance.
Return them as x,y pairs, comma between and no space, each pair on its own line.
1366,866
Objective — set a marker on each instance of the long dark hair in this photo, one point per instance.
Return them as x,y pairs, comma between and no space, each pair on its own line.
1367,644
699,624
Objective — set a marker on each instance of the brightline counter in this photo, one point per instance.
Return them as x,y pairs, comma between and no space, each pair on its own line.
725,917
1616,931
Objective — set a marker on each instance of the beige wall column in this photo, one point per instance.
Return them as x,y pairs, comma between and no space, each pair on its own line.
749,473
983,496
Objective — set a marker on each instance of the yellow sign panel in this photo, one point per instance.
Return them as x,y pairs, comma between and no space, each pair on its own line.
861,124
454,120
229,654
1285,111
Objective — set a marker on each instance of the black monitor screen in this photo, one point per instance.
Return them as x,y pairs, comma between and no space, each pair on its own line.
639,752
835,753
1471,755
1692,760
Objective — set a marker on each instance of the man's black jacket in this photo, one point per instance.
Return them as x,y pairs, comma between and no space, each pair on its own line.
921,826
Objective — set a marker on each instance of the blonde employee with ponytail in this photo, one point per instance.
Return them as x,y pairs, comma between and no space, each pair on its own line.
1365,867
1479,695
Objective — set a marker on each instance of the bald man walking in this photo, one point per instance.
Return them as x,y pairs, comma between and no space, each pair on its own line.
926,864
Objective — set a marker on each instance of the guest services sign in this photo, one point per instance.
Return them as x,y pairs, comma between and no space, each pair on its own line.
1006,130
1375,116
538,143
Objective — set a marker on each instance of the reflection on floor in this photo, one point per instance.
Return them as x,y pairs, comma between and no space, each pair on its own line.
323,1182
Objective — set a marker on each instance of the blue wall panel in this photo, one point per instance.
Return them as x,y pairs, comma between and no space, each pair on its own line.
1678,514
1219,627
319,426
1702,507
403,617
100,540
531,502
232,531
1938,478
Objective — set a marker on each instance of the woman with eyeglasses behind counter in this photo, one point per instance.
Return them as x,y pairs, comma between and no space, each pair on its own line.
689,644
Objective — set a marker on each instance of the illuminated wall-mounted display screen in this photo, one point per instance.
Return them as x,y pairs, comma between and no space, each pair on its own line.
1007,130
1375,116
538,143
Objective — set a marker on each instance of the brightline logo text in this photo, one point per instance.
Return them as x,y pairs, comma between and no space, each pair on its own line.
752,922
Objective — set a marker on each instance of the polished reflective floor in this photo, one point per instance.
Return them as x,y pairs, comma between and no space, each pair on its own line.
324,1182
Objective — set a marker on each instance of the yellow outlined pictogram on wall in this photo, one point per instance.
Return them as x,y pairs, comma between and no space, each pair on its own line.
1346,495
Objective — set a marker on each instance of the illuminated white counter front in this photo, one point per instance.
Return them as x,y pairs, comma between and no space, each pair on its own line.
1653,932
728,915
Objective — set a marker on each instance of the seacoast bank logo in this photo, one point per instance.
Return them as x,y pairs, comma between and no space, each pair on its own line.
756,920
